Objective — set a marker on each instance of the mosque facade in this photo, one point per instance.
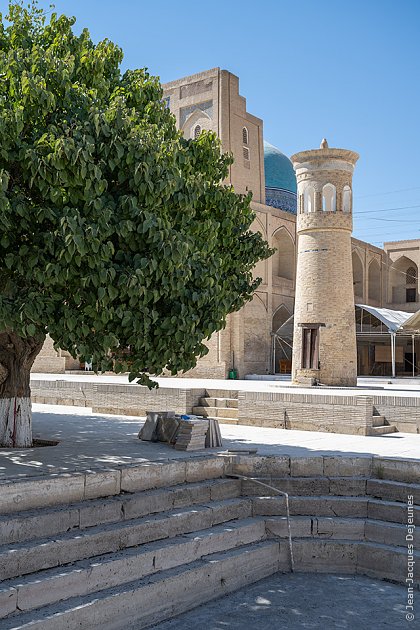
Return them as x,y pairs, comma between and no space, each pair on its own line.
258,339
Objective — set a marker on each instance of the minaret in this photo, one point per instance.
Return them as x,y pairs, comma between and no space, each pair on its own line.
324,342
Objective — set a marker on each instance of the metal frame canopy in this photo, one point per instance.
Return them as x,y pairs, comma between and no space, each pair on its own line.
399,323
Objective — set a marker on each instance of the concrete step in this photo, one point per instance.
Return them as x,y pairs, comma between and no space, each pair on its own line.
216,412
27,525
382,430
219,402
378,421
102,572
29,557
139,604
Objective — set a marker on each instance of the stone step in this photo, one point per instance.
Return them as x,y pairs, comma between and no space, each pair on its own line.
358,507
347,528
103,572
17,495
160,596
378,421
393,490
24,558
216,412
25,526
354,557
382,429
308,486
219,402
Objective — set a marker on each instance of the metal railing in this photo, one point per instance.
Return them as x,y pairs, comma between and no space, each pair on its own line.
285,494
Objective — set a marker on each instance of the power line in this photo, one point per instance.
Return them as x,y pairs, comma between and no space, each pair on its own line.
386,209
389,192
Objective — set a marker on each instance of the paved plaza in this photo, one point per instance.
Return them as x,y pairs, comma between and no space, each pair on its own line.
91,440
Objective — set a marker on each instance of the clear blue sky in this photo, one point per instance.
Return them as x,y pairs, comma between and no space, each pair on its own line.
348,71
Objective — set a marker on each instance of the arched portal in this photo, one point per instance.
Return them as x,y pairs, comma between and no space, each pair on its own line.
358,277
374,281
283,261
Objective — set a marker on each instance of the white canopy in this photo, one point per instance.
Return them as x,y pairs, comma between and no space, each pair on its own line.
394,320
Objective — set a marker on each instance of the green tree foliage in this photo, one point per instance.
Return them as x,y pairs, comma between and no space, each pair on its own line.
115,231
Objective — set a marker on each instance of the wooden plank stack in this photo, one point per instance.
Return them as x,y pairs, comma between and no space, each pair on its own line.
191,435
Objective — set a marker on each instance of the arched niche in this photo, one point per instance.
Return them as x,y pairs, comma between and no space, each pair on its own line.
329,196
374,281
399,272
281,314
358,276
256,336
283,261
346,199
198,118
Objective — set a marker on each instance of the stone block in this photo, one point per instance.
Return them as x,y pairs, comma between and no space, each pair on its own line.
190,520
269,506
28,526
397,469
200,469
329,506
152,475
300,527
387,533
306,466
190,494
393,490
316,556
384,562
347,466
347,487
8,601
261,466
342,528
37,492
102,483
225,489
100,512
390,512
145,503
230,509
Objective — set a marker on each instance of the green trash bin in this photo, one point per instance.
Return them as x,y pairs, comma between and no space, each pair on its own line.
233,374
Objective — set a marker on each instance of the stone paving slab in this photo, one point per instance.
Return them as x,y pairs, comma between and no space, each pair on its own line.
95,441
300,601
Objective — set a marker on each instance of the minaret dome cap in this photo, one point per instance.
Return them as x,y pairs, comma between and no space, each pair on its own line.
324,144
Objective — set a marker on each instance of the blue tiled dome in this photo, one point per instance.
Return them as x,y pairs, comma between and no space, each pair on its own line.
280,180
279,172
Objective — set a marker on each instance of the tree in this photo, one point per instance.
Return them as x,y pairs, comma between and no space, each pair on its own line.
116,233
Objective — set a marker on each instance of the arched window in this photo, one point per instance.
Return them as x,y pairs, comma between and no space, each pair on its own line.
328,198
245,135
283,260
309,200
411,276
197,131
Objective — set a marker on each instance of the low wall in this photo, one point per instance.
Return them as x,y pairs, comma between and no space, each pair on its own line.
129,400
308,412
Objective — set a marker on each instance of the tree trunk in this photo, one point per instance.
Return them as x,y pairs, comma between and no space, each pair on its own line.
17,355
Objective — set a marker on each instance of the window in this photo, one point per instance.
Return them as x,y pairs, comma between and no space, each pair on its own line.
309,199
411,276
410,295
197,131
245,153
245,135
328,198
310,347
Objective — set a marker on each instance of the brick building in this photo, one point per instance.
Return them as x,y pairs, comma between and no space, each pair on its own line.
382,278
